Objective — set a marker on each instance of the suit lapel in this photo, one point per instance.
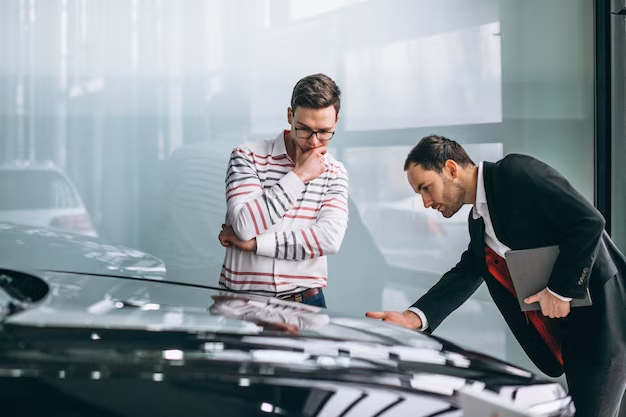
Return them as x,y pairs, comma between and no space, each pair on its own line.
477,236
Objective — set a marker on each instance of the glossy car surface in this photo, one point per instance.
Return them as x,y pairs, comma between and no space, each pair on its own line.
84,344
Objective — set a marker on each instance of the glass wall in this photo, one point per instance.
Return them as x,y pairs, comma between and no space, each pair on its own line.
118,116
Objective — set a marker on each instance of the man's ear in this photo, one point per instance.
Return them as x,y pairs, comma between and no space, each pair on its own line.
451,168
289,115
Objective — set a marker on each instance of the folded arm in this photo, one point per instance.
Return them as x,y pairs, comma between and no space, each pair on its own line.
252,210
322,238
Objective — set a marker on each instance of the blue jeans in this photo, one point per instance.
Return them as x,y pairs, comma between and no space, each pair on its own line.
317,300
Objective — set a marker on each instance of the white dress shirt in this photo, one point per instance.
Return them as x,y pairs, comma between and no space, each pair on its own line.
479,210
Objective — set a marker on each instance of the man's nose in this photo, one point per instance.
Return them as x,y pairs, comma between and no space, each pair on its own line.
427,202
314,141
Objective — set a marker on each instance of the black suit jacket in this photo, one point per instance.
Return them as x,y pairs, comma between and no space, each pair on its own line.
531,205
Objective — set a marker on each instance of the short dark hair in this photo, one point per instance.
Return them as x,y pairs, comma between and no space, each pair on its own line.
432,152
316,91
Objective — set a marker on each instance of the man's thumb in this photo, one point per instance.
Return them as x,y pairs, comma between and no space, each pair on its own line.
531,299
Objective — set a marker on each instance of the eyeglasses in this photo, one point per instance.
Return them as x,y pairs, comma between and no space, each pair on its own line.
306,133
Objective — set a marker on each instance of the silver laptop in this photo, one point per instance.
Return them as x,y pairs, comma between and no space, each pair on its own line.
530,271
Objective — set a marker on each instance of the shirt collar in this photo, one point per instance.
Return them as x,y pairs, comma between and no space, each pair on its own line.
481,195
279,148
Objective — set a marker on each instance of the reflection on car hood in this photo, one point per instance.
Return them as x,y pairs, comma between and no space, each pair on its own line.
41,248
279,331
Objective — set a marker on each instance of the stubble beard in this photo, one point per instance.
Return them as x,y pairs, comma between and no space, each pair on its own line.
454,197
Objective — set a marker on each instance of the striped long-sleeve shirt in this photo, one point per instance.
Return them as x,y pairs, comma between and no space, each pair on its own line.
296,224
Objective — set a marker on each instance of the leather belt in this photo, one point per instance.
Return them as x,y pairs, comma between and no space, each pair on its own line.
301,296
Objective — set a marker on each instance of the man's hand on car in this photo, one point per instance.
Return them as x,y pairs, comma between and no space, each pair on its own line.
407,318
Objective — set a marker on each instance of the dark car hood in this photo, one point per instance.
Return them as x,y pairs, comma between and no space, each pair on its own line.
135,299
79,305
108,328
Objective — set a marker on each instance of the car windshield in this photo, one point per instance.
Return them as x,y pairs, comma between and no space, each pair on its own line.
33,190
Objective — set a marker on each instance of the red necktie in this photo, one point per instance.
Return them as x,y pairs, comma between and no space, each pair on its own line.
497,267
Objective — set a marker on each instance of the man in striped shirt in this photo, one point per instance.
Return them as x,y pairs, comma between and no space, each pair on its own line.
287,202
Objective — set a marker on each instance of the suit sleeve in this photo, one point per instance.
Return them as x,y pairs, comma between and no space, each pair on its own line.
452,290
575,224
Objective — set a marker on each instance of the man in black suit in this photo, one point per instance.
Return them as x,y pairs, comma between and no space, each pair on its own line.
521,203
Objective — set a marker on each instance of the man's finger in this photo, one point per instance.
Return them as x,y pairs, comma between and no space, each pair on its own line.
531,299
376,314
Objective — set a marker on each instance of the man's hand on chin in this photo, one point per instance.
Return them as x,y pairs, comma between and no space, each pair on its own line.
228,237
407,318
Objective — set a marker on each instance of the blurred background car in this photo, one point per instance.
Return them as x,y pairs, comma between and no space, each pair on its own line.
40,194
422,240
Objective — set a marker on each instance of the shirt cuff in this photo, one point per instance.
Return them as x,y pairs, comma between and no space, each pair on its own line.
266,244
292,184
422,316
560,297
